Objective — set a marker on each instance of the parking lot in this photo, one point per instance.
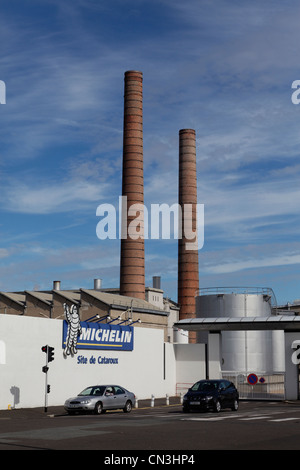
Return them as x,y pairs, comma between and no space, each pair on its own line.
255,426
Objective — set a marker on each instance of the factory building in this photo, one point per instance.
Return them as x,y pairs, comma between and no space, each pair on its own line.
131,334
124,334
153,312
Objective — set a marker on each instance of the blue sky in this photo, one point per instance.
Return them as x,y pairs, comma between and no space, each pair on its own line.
222,67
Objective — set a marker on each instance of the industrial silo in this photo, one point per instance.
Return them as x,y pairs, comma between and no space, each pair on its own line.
242,351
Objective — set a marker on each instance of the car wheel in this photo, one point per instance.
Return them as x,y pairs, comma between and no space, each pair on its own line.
185,409
217,406
98,408
235,405
128,407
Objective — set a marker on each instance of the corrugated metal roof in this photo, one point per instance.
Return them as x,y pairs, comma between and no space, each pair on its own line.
117,300
112,299
273,322
72,296
17,297
42,296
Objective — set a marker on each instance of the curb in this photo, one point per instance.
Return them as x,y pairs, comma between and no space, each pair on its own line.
52,411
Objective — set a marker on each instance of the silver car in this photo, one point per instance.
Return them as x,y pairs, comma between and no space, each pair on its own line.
99,398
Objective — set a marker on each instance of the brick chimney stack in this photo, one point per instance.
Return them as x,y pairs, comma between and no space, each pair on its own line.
188,268
132,269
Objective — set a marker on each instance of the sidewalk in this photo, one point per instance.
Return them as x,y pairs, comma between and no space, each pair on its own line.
31,413
158,402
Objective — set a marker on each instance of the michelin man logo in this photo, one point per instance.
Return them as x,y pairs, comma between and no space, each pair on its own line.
74,329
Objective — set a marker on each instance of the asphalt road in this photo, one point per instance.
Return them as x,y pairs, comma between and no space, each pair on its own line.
255,426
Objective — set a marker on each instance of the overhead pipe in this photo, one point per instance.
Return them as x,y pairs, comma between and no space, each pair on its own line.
107,317
92,318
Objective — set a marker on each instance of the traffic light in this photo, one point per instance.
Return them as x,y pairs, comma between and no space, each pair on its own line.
48,388
45,369
50,354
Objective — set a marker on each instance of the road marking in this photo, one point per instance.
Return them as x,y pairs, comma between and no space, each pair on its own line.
210,418
203,419
282,419
255,417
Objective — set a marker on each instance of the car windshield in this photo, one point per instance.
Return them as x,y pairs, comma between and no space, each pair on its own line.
96,390
204,386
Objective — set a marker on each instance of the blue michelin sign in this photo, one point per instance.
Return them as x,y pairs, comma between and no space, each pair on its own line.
97,336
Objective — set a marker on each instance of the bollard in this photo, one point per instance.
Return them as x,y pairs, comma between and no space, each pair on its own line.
152,400
136,402
167,399
181,397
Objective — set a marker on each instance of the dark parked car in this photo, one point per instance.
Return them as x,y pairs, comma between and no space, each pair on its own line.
99,398
211,394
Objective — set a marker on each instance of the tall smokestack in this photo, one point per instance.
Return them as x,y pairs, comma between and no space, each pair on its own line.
188,274
132,272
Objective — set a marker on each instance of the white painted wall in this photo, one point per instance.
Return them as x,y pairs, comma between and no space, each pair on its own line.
190,363
214,356
291,366
153,367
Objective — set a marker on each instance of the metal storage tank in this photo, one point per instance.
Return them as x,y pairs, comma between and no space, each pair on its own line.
242,351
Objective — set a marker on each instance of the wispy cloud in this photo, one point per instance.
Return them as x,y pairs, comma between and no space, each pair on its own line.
65,197
222,67
226,266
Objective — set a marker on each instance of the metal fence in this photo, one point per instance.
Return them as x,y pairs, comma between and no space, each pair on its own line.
182,388
258,386
263,386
